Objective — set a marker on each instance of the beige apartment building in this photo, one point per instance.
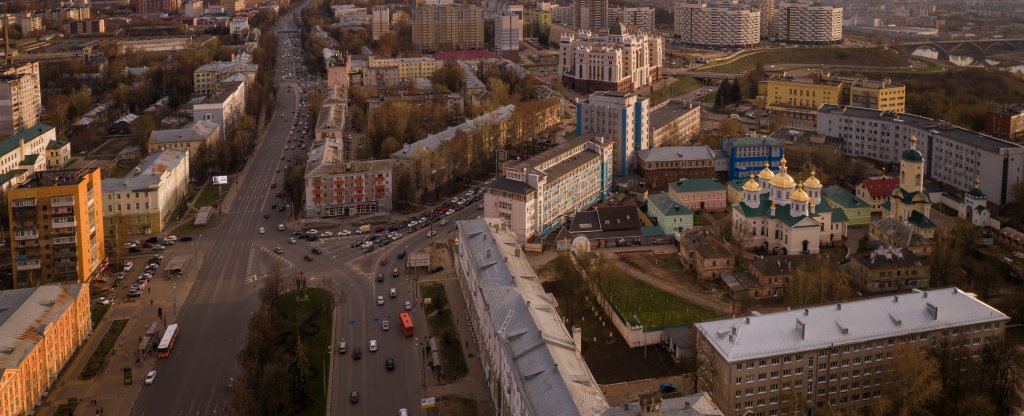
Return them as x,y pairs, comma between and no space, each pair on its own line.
448,27
831,357
407,69
800,98
380,21
723,25
809,23
20,102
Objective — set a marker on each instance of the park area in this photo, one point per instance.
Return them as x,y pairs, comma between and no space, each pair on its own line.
642,304
860,57
309,320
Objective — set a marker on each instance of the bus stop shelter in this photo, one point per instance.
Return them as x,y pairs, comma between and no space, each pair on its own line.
176,266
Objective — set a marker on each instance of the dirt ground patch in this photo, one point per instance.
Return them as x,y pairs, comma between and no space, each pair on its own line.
666,272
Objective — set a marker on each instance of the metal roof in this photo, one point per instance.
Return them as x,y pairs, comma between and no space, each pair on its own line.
197,131
24,315
150,172
430,143
673,153
824,326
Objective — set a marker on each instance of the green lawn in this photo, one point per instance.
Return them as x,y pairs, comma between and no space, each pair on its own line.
99,357
681,86
312,319
211,195
865,57
653,307
66,409
442,327
98,311
120,169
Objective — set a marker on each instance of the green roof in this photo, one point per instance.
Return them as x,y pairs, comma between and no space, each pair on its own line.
29,160
752,141
920,221
782,212
56,144
9,176
908,197
737,184
976,192
912,155
845,199
838,215
652,231
14,141
697,185
668,205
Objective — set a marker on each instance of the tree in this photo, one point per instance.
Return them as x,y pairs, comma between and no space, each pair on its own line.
912,381
735,94
730,128
300,376
817,281
449,77
722,95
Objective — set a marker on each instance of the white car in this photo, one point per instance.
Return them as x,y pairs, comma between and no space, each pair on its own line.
262,230
384,326
431,233
326,234
291,240
280,227
312,232
408,306
150,377
380,300
128,266
368,244
344,233
103,301
412,224
373,345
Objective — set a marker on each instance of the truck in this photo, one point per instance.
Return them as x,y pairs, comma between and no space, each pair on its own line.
364,229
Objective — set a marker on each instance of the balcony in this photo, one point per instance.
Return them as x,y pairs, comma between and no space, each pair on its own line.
62,211
63,224
26,234
30,264
24,203
62,201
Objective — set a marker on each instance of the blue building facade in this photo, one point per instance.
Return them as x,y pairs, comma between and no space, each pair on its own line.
747,155
621,117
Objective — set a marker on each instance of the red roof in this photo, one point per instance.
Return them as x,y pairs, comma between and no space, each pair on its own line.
461,55
881,186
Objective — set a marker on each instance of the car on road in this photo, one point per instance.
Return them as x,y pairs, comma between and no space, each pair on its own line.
354,397
159,247
326,234
128,266
384,325
151,377
102,301
266,215
291,240
307,257
342,347
373,345
263,230
443,222
392,293
389,364
278,250
380,300
401,254
380,277
407,306
316,250
344,233
357,353
186,238
134,292
280,227
431,233
312,231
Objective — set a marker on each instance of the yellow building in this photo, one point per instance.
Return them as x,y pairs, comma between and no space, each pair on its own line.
40,329
909,203
799,98
408,68
56,227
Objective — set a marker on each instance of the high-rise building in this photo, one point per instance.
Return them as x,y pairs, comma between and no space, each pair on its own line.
721,25
619,61
767,9
448,27
85,27
508,27
56,219
623,118
381,21
20,103
833,357
807,23
591,15
159,6
640,17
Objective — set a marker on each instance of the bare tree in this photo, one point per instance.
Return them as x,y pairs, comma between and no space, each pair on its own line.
912,381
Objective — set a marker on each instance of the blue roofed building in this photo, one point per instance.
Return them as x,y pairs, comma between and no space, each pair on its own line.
749,154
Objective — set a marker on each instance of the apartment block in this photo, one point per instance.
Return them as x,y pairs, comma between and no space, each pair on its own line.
591,15
953,156
41,328
407,69
26,152
508,29
330,121
448,27
56,227
144,201
223,108
1005,123
800,98
717,25
536,21
888,269
674,123
190,137
207,78
832,357
660,166
20,102
808,23
619,61
336,186
622,118
158,6
85,27
536,195
767,9
639,17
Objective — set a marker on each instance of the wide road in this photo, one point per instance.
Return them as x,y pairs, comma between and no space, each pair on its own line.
213,322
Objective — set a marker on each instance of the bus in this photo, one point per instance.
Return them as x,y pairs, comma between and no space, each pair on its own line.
164,349
406,323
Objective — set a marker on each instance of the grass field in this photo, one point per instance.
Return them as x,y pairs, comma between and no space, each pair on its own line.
99,357
211,195
312,319
681,86
652,307
866,57
442,327
98,311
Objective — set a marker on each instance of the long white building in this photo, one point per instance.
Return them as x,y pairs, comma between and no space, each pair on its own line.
536,195
953,155
618,61
531,362
641,17
809,23
717,25
623,118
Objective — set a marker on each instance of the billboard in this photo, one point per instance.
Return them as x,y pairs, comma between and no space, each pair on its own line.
220,180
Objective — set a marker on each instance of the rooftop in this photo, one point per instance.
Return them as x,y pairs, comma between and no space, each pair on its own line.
888,257
197,131
15,140
25,314
696,185
668,204
673,153
430,143
699,404
57,177
327,159
331,117
149,173
880,186
845,199
670,112
778,265
899,231
551,371
463,55
824,326
749,141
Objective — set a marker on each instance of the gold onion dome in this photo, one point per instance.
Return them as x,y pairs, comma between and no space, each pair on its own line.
812,182
783,180
751,184
799,195
766,173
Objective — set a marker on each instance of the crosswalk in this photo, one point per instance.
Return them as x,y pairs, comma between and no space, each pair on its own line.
252,272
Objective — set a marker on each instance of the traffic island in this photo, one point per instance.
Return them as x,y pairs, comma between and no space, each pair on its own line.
102,352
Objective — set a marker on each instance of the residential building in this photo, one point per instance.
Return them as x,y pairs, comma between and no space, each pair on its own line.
639,17
706,256
674,123
532,364
832,357
20,102
536,21
207,78
41,327
408,69
381,21
336,186
767,9
448,27
56,227
27,152
672,215
145,200
238,24
772,274
888,269
890,231
534,196
780,216
876,190
653,404
800,98
717,25
857,210
611,226
660,166
617,61
910,203
85,27
591,15
192,8
338,68
953,156
807,23
1005,123
508,29
30,23
749,154
453,102
223,108
190,138
158,6
699,194
330,121
974,206
58,154
623,118
429,144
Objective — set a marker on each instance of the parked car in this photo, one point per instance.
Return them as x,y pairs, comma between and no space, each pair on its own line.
150,377
278,250
307,257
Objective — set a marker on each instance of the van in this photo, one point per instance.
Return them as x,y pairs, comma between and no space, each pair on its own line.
394,273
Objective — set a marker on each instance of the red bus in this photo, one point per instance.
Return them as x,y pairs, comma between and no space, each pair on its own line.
164,349
406,323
